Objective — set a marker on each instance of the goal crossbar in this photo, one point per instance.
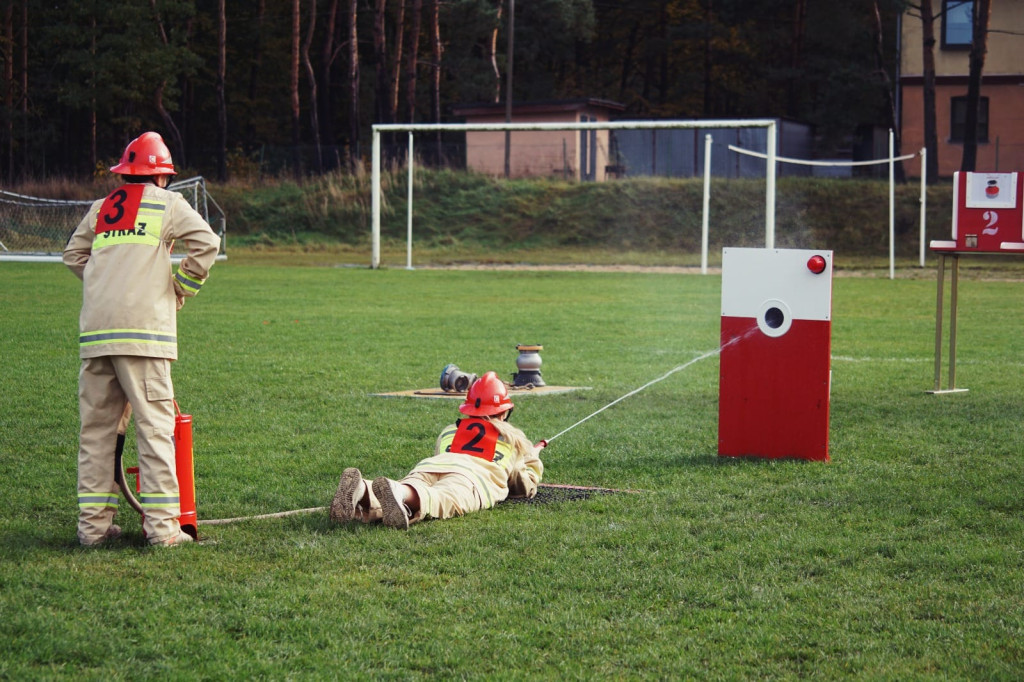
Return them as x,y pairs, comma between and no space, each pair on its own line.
770,171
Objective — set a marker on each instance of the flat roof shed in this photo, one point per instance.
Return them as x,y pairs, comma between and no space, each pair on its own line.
570,154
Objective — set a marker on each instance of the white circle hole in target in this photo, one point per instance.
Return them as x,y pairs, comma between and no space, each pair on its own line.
774,317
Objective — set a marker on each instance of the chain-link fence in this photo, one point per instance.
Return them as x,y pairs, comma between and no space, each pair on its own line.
35,226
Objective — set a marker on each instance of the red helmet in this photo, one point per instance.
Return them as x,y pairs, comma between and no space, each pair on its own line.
486,397
145,155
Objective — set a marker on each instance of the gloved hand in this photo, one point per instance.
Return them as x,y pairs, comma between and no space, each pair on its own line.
529,489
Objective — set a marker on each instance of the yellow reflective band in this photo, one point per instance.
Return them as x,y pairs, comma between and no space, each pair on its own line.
159,500
101,336
97,500
188,282
145,230
506,451
151,218
446,441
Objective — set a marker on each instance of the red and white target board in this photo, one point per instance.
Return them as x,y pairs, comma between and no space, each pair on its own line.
775,366
988,214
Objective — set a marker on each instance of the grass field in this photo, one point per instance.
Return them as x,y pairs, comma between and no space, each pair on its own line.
902,558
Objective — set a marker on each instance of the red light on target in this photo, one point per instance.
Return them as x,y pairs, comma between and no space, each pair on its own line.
816,264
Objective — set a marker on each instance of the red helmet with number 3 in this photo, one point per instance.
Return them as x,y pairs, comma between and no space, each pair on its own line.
487,396
145,155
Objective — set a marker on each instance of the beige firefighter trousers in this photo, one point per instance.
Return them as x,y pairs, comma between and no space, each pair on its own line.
442,496
105,384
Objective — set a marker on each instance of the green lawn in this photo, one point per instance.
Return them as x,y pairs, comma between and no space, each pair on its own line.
902,558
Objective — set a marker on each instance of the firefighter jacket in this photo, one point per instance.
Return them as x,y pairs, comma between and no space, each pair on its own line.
495,455
121,250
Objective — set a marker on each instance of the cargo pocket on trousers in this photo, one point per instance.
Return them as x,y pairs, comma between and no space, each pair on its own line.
159,388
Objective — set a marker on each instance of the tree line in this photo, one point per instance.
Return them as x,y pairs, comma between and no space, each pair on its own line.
226,81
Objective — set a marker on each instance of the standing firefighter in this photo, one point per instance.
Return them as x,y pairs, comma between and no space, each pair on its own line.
478,461
122,253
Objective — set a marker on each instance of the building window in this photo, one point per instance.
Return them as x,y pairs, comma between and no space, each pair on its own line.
958,117
957,24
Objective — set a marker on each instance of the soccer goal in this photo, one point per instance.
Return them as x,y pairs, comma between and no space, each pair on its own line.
35,229
770,125
891,162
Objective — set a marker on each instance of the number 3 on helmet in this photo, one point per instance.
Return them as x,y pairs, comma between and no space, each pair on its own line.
487,396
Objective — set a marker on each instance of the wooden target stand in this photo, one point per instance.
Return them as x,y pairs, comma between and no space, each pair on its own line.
943,250
940,314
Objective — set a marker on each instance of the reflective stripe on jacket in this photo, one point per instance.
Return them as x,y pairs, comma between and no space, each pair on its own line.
121,250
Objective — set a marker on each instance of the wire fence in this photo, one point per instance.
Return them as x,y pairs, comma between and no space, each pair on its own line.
35,225
39,227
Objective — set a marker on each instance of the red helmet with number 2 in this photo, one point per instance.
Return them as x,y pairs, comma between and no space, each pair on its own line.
487,396
145,155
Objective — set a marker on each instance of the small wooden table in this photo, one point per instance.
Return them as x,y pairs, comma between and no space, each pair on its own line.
950,249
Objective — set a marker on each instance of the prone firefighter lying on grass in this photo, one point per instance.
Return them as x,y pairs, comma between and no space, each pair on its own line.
478,461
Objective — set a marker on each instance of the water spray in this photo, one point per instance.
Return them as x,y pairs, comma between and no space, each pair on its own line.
705,356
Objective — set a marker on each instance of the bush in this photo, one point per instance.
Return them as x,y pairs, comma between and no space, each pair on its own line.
638,214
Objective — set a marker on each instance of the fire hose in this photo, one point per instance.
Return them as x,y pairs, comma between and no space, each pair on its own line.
543,443
122,428
129,496
182,465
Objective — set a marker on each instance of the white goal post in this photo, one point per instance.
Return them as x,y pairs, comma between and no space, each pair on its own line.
891,162
770,124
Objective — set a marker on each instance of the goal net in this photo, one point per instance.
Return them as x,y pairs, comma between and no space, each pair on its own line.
37,229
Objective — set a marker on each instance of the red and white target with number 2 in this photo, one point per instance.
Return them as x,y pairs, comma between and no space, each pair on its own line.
775,363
